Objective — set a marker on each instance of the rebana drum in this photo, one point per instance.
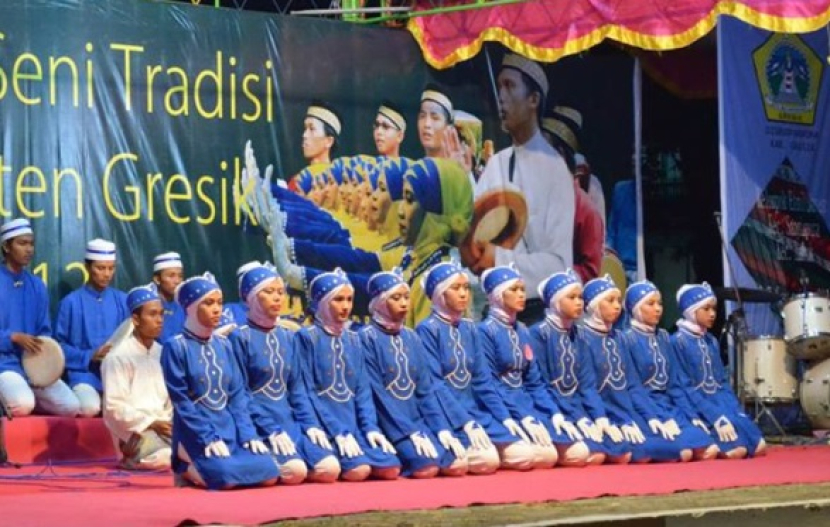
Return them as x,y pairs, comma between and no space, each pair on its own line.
769,372
807,326
815,394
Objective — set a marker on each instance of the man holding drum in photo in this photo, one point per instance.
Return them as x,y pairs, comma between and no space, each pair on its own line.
25,333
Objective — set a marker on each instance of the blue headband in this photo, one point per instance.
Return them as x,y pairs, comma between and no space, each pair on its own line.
255,276
636,292
557,282
325,283
691,294
194,289
495,276
596,287
138,296
437,274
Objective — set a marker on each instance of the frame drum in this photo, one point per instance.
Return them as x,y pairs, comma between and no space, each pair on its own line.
807,326
769,372
46,367
815,394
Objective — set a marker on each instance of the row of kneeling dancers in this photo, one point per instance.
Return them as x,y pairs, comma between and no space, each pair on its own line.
450,397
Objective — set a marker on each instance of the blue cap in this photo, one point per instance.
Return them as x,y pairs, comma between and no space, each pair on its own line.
255,275
636,292
495,276
556,282
692,294
138,296
384,281
325,283
596,287
194,289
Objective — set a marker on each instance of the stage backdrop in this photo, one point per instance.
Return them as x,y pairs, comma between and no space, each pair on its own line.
775,155
127,120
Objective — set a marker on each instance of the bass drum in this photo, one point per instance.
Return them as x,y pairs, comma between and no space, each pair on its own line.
613,266
807,326
768,371
815,394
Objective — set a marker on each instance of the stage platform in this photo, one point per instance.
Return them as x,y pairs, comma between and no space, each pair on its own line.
89,490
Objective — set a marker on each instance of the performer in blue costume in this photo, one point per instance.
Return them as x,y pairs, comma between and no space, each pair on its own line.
408,409
24,320
215,444
87,318
337,384
653,356
475,410
279,405
514,372
627,404
168,273
705,378
569,371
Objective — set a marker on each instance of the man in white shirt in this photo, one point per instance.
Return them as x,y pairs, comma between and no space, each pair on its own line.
137,409
534,169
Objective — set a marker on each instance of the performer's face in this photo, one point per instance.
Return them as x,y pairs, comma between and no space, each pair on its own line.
517,104
410,215
100,274
167,280
381,200
271,297
315,141
341,304
149,320
432,120
571,304
610,306
387,136
19,250
514,297
705,316
651,309
457,296
209,312
398,303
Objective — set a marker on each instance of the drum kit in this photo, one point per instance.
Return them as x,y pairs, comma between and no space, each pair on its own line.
767,366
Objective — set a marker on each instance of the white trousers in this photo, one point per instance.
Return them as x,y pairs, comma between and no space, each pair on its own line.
22,399
89,400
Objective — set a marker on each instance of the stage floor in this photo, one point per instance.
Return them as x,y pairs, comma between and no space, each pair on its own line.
98,494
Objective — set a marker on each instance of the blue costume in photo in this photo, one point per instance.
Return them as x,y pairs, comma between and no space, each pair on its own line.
210,401
626,400
271,368
463,383
398,368
704,376
659,369
506,346
335,371
568,370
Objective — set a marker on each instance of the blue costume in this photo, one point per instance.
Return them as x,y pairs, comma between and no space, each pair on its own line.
704,377
336,378
271,368
566,369
626,400
173,320
24,309
514,372
86,319
210,402
401,380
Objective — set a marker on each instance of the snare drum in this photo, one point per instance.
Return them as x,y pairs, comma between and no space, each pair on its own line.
807,326
815,394
769,372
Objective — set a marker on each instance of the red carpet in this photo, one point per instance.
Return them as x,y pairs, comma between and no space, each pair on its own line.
40,439
100,495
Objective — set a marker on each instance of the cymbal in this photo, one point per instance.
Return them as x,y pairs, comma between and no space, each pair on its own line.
752,296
